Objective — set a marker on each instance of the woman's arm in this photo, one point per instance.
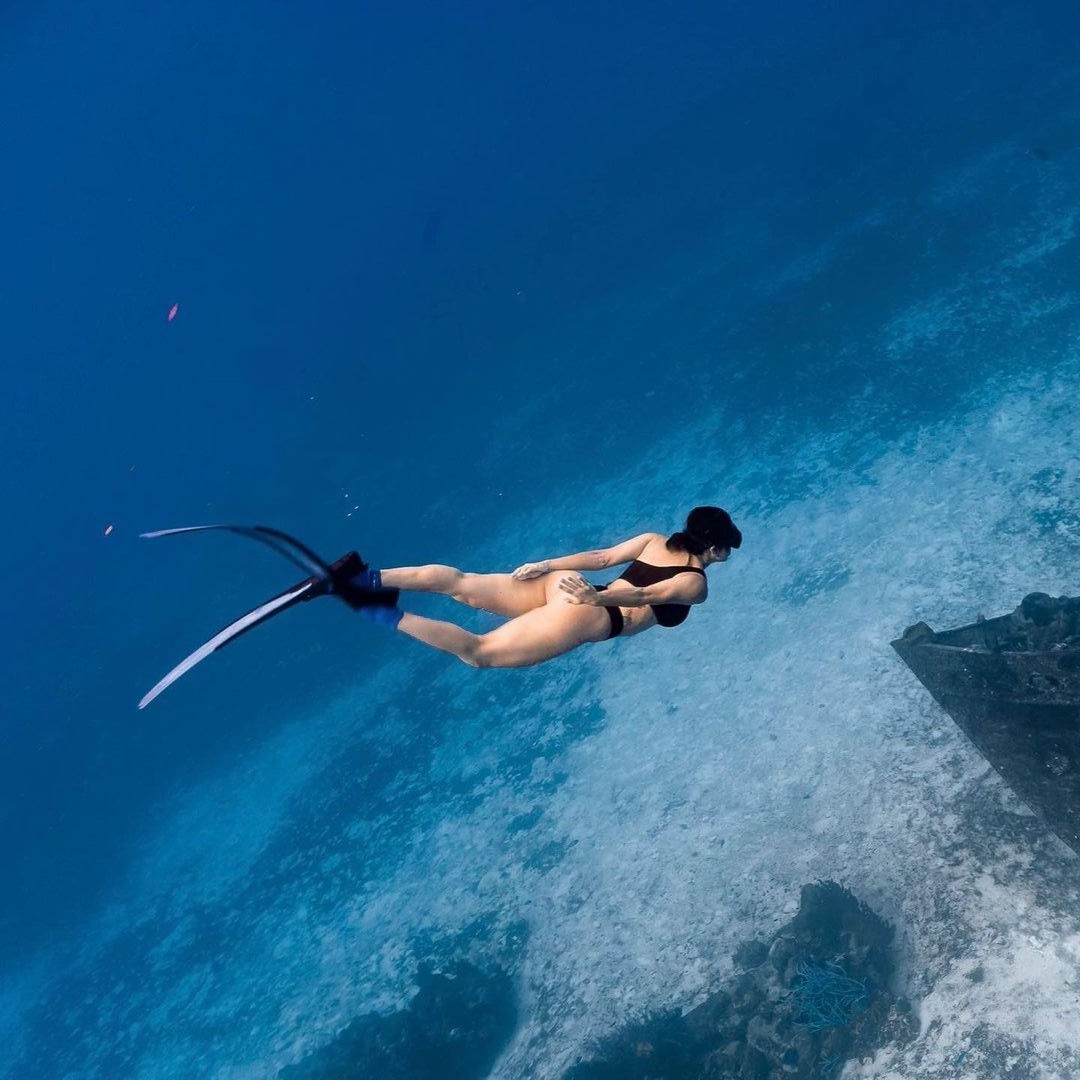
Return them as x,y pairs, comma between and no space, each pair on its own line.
625,552
672,591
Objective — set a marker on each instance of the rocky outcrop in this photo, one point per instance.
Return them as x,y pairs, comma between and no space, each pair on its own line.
454,1028
800,1005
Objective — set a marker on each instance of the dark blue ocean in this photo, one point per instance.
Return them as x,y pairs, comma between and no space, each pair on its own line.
481,284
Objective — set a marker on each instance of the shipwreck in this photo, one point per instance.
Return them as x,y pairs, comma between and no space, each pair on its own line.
1012,684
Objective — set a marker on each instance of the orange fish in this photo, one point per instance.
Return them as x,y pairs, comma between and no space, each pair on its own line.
172,312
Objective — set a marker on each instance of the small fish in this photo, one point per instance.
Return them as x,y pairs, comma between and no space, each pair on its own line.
172,312
108,529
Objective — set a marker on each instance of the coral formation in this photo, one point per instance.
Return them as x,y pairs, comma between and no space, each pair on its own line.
800,1006
825,996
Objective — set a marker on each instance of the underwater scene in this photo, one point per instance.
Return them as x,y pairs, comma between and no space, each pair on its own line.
511,289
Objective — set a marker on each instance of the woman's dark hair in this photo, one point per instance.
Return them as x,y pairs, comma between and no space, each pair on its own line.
706,527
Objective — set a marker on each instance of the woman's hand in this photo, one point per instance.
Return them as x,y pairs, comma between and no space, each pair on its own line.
579,591
530,570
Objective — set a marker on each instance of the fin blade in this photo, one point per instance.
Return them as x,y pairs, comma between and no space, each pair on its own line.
173,532
246,622
287,546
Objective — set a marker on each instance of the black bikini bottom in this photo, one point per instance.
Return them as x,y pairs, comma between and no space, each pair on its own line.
614,614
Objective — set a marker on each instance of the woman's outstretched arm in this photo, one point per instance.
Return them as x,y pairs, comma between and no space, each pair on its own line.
599,559
672,591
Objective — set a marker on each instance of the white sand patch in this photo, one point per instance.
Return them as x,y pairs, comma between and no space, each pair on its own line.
215,831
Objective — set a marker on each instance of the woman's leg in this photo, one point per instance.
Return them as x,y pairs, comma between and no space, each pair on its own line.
498,593
529,639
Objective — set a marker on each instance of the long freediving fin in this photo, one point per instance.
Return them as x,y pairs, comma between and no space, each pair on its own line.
304,590
339,579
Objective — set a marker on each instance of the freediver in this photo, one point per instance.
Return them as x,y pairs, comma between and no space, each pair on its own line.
551,609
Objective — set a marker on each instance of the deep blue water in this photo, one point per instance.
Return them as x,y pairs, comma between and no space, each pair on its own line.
390,229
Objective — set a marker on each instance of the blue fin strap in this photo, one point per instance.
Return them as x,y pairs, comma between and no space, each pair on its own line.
382,616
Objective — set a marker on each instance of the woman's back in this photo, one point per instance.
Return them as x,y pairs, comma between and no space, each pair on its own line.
657,563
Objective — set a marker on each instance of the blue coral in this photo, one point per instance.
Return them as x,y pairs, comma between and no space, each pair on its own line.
824,996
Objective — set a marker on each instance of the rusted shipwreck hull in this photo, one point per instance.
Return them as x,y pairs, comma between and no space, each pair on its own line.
1012,684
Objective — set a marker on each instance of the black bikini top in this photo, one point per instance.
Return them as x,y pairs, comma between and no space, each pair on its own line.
642,574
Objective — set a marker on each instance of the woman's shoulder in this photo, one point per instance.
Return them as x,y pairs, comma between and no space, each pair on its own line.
657,542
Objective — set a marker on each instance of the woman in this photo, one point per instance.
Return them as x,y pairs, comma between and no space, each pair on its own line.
552,612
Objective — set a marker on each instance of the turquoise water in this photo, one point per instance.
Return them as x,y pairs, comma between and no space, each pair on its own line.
482,286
